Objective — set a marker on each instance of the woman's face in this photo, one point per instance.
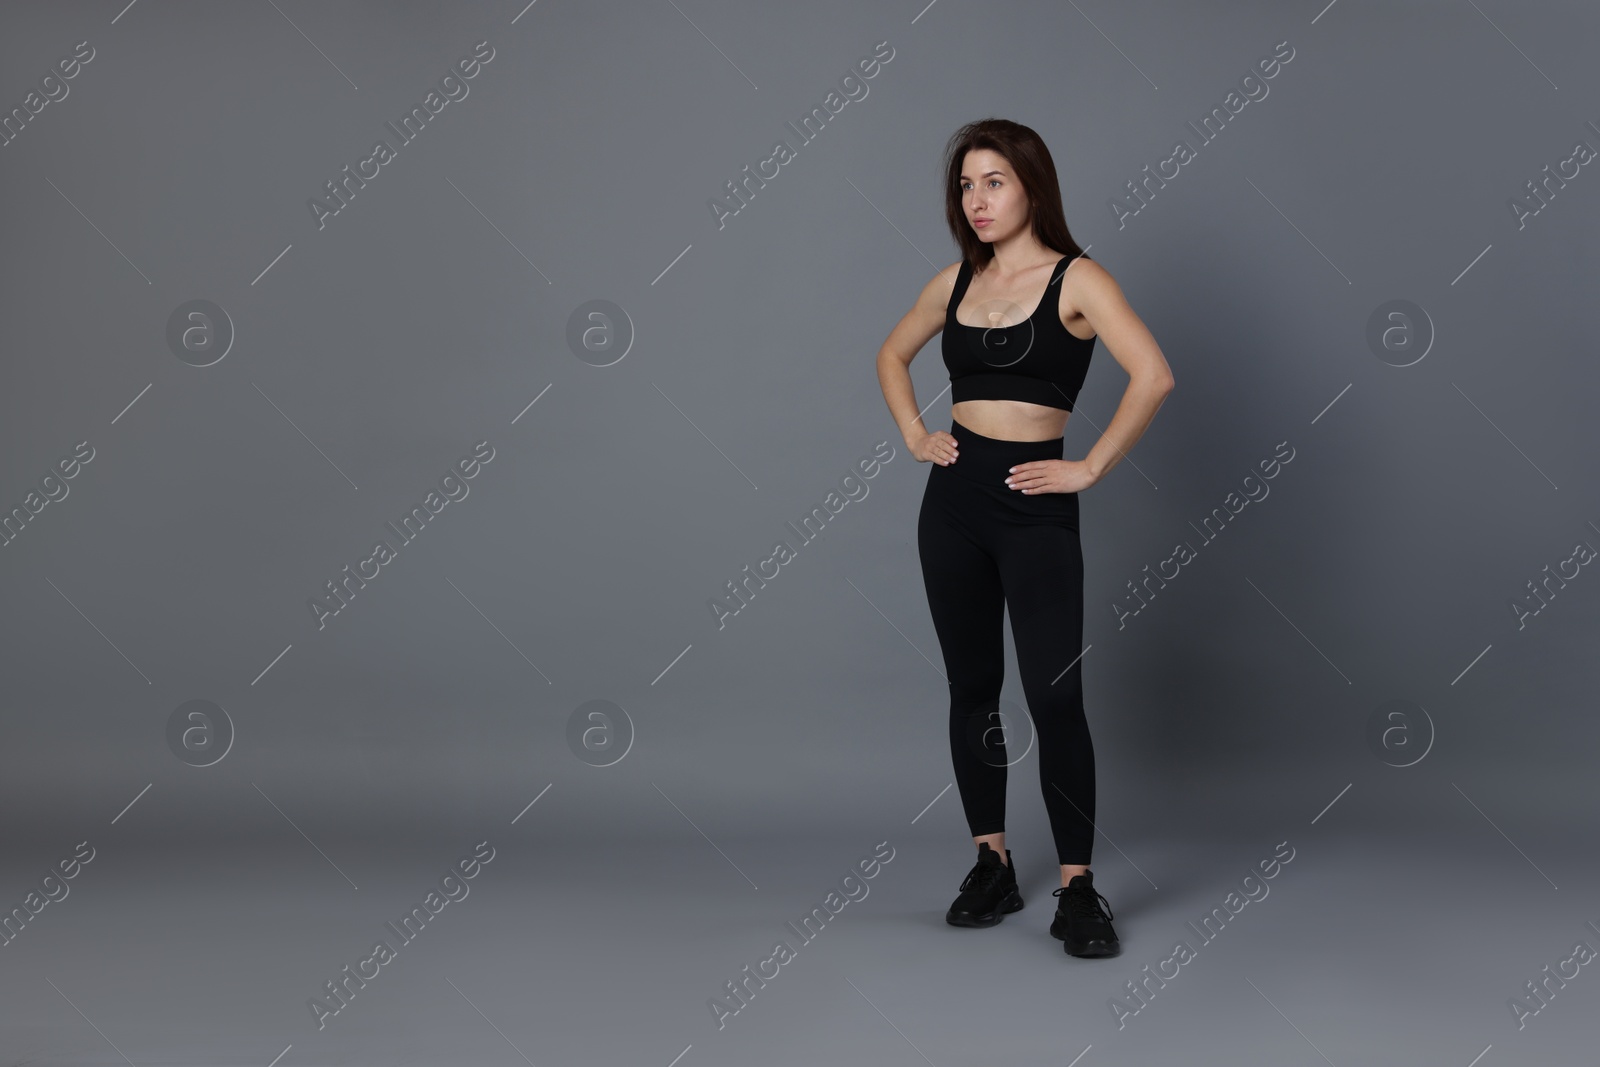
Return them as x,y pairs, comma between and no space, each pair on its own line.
993,199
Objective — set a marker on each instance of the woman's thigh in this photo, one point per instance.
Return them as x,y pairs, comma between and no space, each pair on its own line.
962,577
1041,574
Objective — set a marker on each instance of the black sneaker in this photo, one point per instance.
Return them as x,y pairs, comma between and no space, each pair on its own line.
987,893
1080,923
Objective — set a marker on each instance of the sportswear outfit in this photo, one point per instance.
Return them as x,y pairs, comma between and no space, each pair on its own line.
986,548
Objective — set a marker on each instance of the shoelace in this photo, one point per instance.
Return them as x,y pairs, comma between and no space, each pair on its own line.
982,877
1085,903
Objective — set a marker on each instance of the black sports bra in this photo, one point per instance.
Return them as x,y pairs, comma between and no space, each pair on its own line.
1037,360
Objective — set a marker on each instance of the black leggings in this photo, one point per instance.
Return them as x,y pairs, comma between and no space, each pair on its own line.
986,547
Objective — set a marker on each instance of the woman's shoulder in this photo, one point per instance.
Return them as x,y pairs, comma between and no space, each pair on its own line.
1082,267
1087,285
943,284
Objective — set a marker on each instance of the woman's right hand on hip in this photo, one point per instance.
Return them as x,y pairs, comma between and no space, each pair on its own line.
937,446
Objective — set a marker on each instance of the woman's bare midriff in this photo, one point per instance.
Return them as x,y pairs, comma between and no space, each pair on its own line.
1010,420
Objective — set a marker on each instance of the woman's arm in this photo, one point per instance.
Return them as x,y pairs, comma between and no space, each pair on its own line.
1099,298
914,330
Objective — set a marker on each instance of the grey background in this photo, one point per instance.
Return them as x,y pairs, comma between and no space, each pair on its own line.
765,758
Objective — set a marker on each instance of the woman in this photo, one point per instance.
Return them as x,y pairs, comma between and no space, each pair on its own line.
998,528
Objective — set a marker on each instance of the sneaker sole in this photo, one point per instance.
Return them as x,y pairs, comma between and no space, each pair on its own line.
1092,950
1010,903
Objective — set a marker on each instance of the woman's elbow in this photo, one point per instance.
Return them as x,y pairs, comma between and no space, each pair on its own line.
1160,382
889,356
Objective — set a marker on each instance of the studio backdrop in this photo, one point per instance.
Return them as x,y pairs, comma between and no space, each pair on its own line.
443,458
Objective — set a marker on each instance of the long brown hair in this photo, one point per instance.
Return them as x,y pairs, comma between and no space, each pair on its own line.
1025,151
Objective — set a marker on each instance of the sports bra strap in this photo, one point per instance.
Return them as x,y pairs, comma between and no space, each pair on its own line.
1060,271
963,279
